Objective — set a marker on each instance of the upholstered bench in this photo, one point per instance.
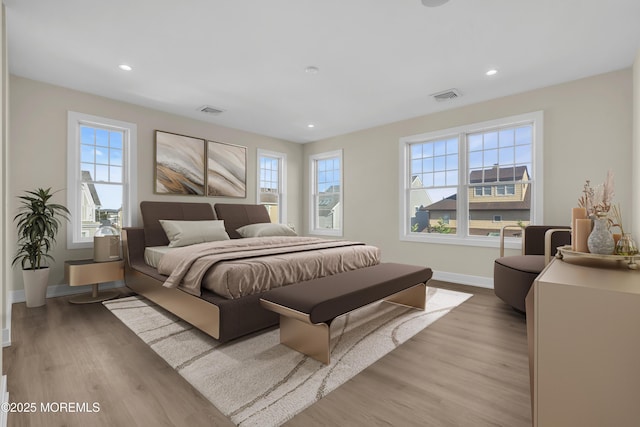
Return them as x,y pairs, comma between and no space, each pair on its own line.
307,309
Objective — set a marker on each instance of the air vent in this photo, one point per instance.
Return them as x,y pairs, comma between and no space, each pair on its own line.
446,95
210,110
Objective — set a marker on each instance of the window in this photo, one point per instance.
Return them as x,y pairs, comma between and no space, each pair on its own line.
326,193
472,180
101,183
484,190
506,190
272,184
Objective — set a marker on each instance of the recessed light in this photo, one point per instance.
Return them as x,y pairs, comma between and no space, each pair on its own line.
492,72
311,70
125,67
311,125
433,3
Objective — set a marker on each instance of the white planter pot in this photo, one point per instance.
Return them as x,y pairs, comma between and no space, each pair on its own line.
35,286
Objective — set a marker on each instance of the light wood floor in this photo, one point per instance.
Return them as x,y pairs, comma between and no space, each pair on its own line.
469,368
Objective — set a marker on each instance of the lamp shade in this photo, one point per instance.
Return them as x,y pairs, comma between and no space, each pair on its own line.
106,244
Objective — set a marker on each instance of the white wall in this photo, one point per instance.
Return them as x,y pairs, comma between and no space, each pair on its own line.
587,130
38,157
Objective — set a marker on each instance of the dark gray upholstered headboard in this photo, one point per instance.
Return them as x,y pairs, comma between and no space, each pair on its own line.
153,212
239,215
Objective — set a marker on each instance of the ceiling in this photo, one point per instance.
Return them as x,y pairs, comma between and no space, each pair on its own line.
378,60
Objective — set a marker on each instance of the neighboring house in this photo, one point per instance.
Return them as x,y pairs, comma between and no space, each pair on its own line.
441,211
418,198
90,203
329,208
503,199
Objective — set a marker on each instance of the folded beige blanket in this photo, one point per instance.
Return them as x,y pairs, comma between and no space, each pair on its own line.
235,268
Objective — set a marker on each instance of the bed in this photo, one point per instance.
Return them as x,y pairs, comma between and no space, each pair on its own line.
224,317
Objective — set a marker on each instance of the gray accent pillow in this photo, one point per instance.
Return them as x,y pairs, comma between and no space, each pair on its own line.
266,229
185,233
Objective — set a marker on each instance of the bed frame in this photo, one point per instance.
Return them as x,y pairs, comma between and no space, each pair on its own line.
221,318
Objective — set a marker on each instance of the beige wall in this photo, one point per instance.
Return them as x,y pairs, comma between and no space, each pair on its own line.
635,228
587,130
38,152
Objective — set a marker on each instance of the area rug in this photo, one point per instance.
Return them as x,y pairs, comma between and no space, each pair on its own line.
256,381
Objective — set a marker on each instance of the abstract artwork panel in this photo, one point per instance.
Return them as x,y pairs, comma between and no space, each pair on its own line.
226,170
180,164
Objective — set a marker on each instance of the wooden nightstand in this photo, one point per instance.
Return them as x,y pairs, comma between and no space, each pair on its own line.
88,272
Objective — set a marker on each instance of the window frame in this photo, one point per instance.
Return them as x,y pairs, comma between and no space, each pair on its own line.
282,184
313,160
462,203
74,175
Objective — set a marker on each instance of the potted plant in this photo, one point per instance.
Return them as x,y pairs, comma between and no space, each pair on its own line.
38,222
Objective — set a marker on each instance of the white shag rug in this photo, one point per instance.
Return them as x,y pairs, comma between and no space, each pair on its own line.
256,381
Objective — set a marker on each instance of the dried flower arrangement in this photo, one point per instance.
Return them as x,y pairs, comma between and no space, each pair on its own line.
616,218
597,201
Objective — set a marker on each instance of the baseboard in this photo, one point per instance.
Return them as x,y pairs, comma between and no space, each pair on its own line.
5,401
464,279
64,290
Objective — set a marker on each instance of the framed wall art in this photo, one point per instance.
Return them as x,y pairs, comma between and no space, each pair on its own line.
180,164
226,170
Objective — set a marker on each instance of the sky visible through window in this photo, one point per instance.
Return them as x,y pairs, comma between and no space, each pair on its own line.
269,171
101,156
436,162
328,171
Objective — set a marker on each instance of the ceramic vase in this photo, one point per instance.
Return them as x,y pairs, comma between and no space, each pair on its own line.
601,240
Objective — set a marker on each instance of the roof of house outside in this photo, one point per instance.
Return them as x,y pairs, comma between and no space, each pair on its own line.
499,174
448,204
326,202
86,178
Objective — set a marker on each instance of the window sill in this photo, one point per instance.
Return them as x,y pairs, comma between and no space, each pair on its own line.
477,241
80,245
321,232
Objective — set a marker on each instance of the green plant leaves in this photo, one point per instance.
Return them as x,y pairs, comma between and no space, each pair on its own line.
38,223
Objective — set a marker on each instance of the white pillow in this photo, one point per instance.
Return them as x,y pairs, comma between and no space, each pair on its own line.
184,233
265,229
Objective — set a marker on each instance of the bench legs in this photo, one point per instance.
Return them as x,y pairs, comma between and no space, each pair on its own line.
314,340
307,338
415,296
